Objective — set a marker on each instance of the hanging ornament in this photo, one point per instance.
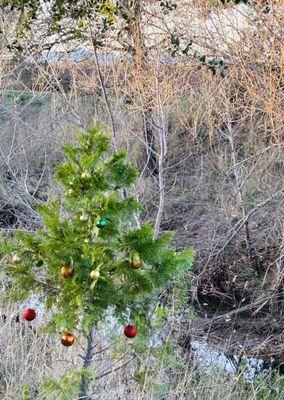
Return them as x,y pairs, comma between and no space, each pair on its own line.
130,331
29,314
84,217
67,339
16,259
135,261
72,181
67,272
102,223
86,175
95,274
38,262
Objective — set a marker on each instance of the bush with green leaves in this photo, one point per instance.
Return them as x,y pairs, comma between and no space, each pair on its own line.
92,228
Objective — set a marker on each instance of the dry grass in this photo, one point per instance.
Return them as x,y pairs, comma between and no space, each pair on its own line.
30,358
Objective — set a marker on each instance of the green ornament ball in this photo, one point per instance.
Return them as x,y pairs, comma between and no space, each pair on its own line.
38,262
102,223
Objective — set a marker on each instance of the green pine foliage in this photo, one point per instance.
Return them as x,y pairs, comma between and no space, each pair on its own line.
92,227
67,387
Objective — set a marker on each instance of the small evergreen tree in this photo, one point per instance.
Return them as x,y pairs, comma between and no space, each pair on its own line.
90,257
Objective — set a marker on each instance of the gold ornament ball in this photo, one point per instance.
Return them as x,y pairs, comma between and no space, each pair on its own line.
66,272
16,259
95,274
136,265
86,175
135,261
67,339
84,218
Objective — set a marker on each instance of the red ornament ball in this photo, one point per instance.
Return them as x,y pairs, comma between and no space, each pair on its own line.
130,331
29,314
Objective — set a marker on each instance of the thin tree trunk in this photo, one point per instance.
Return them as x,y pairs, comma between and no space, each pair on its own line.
152,162
162,155
141,63
106,99
86,364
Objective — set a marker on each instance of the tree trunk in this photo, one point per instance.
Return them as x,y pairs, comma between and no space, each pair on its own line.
87,362
140,52
152,162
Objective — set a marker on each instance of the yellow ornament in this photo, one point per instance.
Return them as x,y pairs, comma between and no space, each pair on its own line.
86,175
95,274
84,217
16,259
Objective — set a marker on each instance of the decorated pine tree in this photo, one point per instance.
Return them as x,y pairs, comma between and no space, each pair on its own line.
90,257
